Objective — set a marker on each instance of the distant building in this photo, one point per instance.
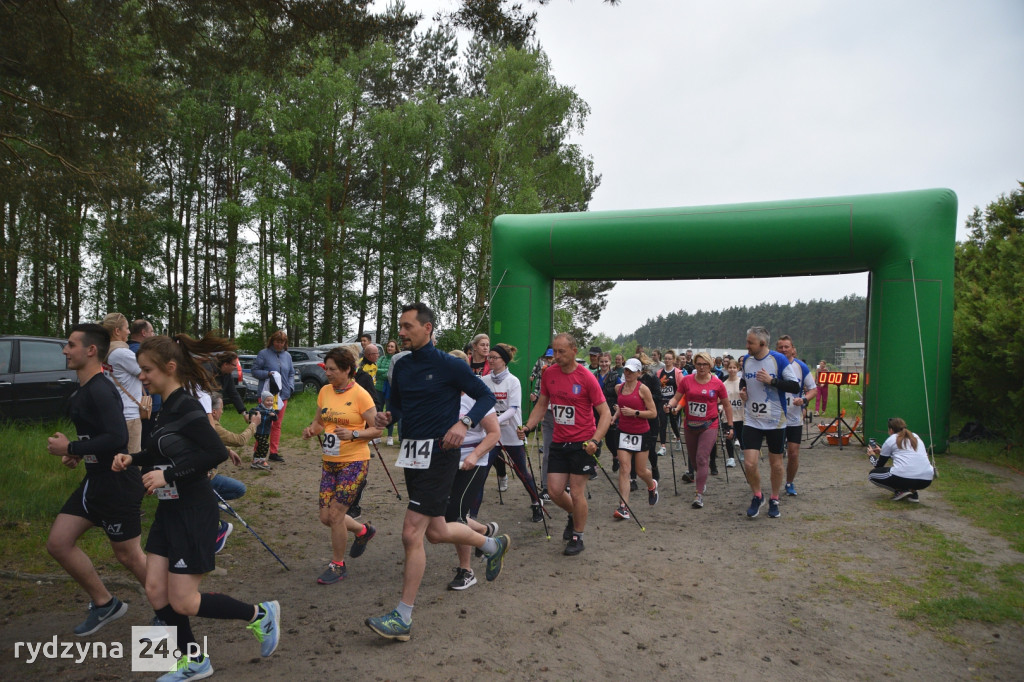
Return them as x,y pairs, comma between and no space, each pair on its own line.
850,357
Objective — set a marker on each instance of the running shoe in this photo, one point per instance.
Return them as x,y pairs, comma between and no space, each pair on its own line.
652,495
567,533
222,536
260,464
593,473
268,628
359,546
538,513
492,529
494,561
391,440
714,471
187,669
755,506
274,457
791,490
773,509
621,512
698,501
463,580
574,547
900,494
661,451
502,484
730,463
544,495
333,574
688,477
391,626
633,487
914,497
98,617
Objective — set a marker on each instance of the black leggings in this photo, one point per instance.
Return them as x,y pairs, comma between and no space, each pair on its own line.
664,420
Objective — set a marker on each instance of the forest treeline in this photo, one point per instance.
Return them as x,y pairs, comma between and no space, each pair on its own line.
818,327
262,164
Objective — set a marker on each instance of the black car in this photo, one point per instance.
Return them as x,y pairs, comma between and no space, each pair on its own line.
309,362
35,382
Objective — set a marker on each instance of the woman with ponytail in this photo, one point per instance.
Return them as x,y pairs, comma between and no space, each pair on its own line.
910,471
183,447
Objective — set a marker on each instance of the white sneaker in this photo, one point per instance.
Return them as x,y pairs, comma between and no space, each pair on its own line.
661,451
731,463
391,440
502,483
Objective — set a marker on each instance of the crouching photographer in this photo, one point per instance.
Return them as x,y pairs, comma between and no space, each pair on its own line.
910,470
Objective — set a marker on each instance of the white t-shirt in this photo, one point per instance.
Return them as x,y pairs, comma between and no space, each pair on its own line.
126,370
732,386
908,463
473,435
508,394
764,407
795,413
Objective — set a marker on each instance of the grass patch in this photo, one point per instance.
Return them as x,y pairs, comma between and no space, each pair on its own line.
978,496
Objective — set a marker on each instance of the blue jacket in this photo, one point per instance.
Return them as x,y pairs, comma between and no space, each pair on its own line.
426,388
269,360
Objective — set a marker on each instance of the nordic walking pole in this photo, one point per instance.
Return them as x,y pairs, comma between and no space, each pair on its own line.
672,456
533,493
381,458
721,438
231,511
616,489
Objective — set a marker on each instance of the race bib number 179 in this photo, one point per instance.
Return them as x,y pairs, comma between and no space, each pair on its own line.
564,414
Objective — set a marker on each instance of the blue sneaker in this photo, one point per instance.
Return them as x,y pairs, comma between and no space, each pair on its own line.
755,506
97,617
494,560
791,489
268,628
222,536
187,669
773,509
391,626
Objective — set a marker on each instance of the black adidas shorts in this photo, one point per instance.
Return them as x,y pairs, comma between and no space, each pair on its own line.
429,489
187,536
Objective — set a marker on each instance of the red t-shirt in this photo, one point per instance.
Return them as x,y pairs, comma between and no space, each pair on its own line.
628,404
572,398
701,400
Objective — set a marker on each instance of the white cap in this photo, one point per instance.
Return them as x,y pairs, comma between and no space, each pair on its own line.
633,365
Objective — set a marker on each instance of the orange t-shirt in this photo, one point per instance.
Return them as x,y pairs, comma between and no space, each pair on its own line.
343,410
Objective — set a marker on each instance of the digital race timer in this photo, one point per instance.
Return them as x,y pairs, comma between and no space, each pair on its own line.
839,378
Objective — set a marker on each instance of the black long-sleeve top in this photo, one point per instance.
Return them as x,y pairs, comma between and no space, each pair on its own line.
96,410
184,440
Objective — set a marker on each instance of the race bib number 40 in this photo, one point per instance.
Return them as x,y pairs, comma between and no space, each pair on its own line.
415,454
564,414
630,441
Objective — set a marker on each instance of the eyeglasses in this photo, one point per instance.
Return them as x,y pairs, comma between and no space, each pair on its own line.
702,364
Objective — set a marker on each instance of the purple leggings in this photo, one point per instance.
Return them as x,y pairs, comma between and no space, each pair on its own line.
699,443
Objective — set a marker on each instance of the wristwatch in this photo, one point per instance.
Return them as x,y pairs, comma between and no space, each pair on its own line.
637,413
355,434
467,421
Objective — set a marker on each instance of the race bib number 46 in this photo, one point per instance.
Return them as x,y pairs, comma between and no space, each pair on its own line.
564,414
415,454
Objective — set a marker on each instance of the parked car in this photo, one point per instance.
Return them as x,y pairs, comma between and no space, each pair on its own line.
250,384
309,362
35,382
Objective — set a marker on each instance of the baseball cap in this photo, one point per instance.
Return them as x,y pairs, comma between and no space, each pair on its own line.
595,350
549,353
633,365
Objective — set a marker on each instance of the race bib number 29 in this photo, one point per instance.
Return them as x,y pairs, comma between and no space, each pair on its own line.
331,445
415,454
564,414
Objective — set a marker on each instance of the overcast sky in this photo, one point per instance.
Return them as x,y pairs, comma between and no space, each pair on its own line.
698,103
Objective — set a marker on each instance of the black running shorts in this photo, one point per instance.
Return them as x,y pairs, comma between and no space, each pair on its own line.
570,458
429,489
794,434
186,536
465,489
111,501
752,438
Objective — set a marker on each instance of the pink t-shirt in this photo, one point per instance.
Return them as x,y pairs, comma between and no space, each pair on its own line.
572,398
701,400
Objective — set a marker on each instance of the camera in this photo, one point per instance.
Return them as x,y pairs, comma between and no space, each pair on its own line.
251,412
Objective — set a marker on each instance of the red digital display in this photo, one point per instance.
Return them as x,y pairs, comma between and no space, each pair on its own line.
838,378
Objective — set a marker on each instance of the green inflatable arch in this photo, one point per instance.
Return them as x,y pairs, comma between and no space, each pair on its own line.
904,240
